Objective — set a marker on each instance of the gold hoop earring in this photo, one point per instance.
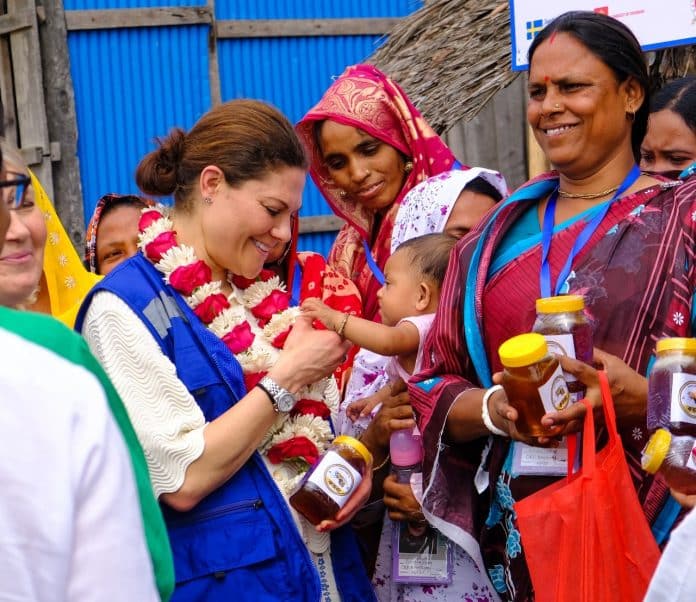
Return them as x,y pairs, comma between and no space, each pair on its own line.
408,167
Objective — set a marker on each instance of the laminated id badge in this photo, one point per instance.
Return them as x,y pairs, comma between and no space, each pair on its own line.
420,554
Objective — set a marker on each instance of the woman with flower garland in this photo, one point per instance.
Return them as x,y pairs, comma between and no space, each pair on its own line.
230,400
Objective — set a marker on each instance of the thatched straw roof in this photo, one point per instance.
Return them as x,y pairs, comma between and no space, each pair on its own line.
451,57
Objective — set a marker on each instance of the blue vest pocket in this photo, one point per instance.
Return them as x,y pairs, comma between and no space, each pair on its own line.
222,539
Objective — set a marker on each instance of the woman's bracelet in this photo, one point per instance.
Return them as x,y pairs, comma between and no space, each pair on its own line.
486,417
342,326
376,468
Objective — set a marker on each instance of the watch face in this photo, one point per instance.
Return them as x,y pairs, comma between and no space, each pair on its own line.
285,401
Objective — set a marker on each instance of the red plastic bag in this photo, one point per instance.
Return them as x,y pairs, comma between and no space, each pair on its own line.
585,538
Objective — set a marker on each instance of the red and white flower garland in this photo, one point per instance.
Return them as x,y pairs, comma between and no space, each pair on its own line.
253,322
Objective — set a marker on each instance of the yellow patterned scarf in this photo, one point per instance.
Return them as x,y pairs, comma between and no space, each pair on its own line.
67,279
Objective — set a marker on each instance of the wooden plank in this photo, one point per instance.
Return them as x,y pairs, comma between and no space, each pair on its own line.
80,20
510,132
62,122
284,28
16,21
320,223
8,127
213,67
29,95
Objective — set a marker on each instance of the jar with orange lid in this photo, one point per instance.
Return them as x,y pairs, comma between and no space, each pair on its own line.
673,457
533,382
330,483
672,387
564,325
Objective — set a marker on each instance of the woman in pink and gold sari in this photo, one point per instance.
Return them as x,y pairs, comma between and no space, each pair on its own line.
369,146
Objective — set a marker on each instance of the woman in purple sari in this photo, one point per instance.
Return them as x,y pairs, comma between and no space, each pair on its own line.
594,226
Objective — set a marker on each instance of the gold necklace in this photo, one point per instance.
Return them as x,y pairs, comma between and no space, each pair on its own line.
591,195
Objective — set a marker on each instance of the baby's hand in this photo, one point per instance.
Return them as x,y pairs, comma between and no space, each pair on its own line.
363,407
355,408
318,310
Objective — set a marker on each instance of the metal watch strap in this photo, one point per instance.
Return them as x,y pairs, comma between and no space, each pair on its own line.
270,396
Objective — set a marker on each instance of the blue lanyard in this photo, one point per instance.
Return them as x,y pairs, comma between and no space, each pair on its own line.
580,241
296,285
376,271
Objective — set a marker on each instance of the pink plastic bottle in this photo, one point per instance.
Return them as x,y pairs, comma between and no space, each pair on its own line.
406,449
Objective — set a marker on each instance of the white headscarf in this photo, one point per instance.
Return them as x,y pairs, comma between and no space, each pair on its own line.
427,207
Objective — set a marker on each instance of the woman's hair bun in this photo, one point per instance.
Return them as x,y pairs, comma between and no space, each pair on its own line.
157,173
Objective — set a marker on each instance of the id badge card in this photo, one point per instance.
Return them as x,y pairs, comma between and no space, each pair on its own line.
540,461
420,555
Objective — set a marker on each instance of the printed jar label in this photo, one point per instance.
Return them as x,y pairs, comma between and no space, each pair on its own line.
554,392
683,402
335,477
562,344
691,462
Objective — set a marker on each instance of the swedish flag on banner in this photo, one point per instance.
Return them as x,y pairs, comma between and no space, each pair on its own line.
534,27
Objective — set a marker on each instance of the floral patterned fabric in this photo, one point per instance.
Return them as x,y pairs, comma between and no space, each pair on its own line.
67,279
427,207
637,277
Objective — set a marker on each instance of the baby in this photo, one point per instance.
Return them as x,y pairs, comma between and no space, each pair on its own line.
407,302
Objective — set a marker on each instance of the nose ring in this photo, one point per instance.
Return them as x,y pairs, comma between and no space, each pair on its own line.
557,106
367,172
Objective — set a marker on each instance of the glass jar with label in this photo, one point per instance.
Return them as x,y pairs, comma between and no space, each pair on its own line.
672,387
533,382
673,457
564,325
328,485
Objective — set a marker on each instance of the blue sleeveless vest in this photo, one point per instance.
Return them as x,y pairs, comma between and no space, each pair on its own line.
240,542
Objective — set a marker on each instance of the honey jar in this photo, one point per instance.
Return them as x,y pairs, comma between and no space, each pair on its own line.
672,387
329,484
564,325
533,382
673,457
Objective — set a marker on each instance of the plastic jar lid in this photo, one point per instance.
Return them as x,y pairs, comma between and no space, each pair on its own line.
676,344
356,445
656,450
560,304
523,350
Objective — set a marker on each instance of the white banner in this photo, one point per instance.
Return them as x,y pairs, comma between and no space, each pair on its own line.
656,23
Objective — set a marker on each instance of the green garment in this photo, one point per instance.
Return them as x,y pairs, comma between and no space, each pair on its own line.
51,334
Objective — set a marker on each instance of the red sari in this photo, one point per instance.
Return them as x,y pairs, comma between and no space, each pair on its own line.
365,98
637,276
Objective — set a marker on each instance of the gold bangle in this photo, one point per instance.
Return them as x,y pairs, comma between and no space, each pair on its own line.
342,327
376,468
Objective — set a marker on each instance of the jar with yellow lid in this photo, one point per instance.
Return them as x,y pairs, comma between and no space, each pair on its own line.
673,457
329,484
672,387
533,382
564,325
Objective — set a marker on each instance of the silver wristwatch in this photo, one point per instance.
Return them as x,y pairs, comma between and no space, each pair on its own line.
282,399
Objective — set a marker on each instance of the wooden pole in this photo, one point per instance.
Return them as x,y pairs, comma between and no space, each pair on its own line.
62,121
537,162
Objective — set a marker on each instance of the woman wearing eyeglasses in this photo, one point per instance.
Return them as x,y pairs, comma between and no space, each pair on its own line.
41,271
21,260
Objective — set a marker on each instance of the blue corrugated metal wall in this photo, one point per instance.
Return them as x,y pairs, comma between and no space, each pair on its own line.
132,85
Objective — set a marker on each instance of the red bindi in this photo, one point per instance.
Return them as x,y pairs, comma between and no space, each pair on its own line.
546,78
